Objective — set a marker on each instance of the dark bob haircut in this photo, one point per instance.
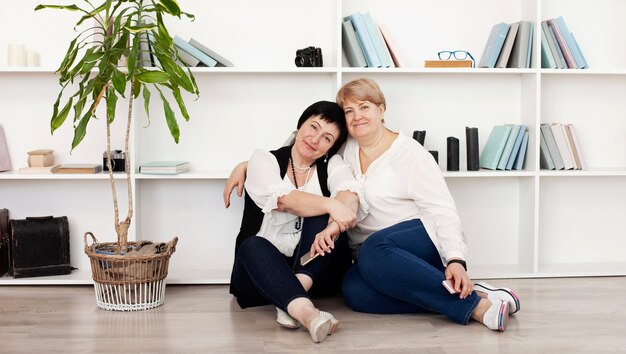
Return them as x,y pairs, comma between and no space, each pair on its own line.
331,113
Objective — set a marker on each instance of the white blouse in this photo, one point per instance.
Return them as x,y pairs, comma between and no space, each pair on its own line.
405,183
265,186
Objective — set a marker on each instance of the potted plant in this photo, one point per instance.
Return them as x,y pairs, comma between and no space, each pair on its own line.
127,275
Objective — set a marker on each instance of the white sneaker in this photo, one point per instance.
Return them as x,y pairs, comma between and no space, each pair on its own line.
497,316
321,326
283,319
502,294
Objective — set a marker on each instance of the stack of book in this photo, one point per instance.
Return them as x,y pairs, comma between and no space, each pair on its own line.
367,44
559,49
164,167
505,148
82,168
194,53
559,148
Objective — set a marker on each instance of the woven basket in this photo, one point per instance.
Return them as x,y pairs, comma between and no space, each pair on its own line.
133,281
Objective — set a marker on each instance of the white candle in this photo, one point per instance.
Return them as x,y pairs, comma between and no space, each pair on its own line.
16,55
32,58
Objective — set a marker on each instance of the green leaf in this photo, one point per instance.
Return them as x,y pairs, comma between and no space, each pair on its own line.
153,77
140,28
59,7
62,115
119,81
55,110
170,118
111,103
171,7
81,130
91,14
146,101
181,103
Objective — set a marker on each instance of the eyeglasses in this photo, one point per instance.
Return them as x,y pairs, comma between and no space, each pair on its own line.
457,54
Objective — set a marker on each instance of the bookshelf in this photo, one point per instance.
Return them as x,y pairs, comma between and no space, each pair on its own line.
542,223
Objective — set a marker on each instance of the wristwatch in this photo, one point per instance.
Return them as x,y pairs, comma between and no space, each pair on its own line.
459,261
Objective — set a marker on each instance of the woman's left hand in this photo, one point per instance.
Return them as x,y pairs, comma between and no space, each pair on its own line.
460,280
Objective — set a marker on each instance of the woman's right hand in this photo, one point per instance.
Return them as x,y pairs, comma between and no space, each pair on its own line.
235,180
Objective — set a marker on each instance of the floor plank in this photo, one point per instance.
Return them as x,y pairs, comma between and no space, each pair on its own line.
562,315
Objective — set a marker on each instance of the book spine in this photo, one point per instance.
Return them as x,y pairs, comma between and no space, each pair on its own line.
567,36
519,160
558,49
545,161
393,48
516,147
583,164
552,44
471,145
452,153
547,60
351,46
561,143
494,45
365,41
5,158
193,51
379,45
552,148
508,147
569,58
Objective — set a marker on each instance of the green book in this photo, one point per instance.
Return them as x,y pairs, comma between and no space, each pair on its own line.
164,167
495,146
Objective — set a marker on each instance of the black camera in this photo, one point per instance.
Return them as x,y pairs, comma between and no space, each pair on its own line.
118,162
309,56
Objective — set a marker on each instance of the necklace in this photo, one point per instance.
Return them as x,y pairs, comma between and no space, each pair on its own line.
295,182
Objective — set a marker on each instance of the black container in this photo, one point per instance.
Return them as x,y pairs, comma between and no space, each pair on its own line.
453,153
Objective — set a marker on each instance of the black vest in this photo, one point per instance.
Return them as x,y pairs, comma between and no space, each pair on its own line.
253,216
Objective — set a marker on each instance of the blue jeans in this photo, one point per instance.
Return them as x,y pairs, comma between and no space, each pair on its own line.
262,275
399,270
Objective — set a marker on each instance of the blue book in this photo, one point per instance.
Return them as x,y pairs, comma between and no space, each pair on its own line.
584,61
546,131
519,161
377,40
545,160
569,40
552,44
547,60
194,52
494,45
364,40
516,147
494,146
558,48
164,167
508,147
529,54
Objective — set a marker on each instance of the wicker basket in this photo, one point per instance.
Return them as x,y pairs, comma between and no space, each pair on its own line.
133,281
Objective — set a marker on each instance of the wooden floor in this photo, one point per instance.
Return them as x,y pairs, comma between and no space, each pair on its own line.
571,315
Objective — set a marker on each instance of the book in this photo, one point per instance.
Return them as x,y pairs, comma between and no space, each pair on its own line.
351,45
367,47
556,55
186,59
164,167
377,40
508,147
581,63
452,149
582,57
552,148
545,161
494,146
570,143
516,147
221,61
494,45
579,152
567,54
561,143
447,63
547,60
522,46
194,52
505,53
391,45
80,168
39,170
5,158
519,160
471,147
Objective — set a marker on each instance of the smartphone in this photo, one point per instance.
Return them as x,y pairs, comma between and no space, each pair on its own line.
448,285
304,260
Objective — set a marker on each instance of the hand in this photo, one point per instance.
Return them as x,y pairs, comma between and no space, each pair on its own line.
325,240
343,215
460,280
236,179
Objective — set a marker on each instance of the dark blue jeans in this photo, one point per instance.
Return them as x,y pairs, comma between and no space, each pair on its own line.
399,270
262,275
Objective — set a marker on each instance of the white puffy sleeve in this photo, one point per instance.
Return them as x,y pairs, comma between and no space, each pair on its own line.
265,185
341,178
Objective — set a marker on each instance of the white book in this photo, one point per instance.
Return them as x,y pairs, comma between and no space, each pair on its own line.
579,153
563,146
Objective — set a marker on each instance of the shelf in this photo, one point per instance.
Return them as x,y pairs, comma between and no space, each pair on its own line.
595,172
14,175
486,174
185,175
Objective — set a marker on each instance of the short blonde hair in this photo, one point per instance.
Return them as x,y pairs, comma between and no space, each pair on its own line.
363,89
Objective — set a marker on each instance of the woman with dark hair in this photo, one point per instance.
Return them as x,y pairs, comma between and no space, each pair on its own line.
290,194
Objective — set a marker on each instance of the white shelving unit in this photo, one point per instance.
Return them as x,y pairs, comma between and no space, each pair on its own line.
530,223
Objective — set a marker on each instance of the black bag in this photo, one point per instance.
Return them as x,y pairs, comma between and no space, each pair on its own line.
4,241
40,246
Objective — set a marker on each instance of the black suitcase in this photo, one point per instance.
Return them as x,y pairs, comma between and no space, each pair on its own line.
40,246
4,241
